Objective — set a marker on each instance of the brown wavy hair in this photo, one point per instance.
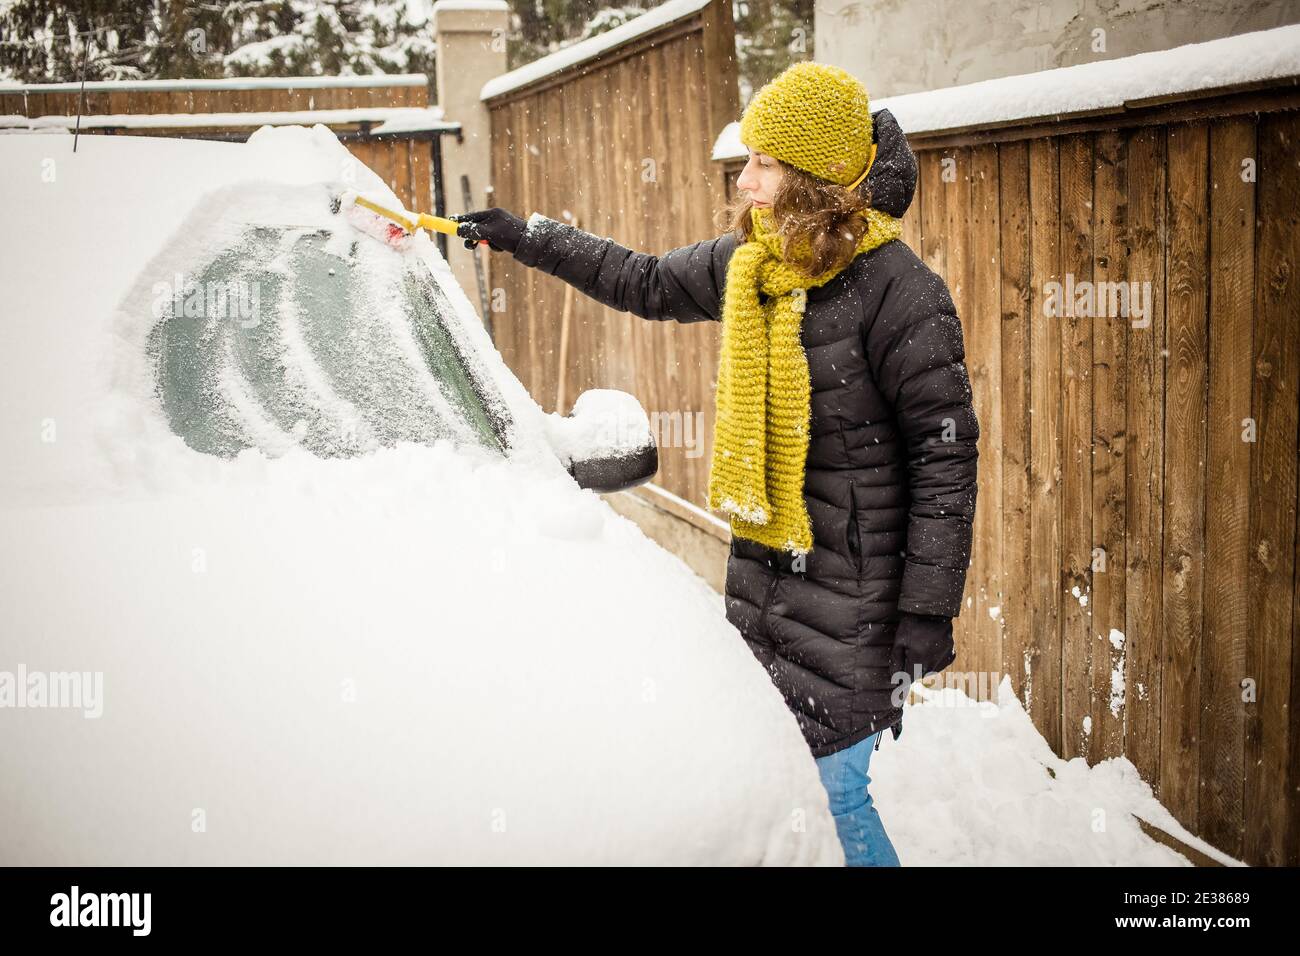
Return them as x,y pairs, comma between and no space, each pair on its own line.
820,222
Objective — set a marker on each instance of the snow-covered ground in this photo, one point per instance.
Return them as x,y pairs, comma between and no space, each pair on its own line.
973,783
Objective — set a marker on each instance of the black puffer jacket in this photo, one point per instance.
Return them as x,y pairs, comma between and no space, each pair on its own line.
890,475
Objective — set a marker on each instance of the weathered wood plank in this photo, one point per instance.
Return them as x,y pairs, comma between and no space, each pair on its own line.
1274,400
1221,815
1145,458
1075,321
1186,396
1045,437
984,362
1109,447
1017,330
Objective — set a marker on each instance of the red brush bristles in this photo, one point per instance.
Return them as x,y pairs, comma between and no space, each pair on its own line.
371,223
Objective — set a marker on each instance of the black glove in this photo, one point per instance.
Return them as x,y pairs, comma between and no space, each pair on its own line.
501,229
921,641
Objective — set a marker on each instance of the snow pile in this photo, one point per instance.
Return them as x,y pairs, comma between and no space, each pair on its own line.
428,653
1088,87
409,657
973,783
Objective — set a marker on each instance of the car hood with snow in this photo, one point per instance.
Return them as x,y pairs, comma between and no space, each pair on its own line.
274,591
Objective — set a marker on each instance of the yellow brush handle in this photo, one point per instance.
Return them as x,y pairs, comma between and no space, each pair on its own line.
396,217
422,220
437,223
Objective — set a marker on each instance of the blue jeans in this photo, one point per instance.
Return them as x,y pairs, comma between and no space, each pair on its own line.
861,831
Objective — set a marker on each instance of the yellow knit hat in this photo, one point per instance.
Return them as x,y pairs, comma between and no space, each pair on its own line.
816,117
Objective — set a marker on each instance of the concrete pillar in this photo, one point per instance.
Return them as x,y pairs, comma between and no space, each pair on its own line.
471,38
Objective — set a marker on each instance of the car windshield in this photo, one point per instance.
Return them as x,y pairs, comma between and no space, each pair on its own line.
324,340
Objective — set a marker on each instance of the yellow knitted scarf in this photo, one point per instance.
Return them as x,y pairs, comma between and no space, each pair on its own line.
764,395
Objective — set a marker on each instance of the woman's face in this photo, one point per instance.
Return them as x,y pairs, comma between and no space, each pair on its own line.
760,177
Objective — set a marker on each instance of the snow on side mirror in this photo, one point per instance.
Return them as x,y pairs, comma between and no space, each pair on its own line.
605,442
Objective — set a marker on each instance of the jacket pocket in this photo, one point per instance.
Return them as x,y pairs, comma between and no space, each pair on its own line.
853,540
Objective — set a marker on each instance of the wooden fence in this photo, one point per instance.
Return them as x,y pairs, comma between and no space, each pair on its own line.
405,161
214,96
1135,559
619,145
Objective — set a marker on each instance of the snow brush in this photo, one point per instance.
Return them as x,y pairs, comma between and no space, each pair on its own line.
391,227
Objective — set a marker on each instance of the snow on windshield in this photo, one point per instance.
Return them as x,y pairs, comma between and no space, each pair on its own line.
92,398
317,337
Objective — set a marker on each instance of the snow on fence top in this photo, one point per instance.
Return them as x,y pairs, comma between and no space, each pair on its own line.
1106,85
592,47
392,119
230,83
470,5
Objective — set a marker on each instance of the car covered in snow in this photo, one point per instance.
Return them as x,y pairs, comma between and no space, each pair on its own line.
294,570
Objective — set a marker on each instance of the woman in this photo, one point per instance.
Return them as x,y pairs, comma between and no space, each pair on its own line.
845,446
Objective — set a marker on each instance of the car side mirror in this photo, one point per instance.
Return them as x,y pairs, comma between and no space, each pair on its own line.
605,442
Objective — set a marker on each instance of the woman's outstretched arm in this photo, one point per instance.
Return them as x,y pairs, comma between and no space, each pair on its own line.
684,284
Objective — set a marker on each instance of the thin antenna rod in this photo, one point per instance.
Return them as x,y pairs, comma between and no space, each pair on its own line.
81,99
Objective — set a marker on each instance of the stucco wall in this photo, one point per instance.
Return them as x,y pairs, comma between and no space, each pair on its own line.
904,46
